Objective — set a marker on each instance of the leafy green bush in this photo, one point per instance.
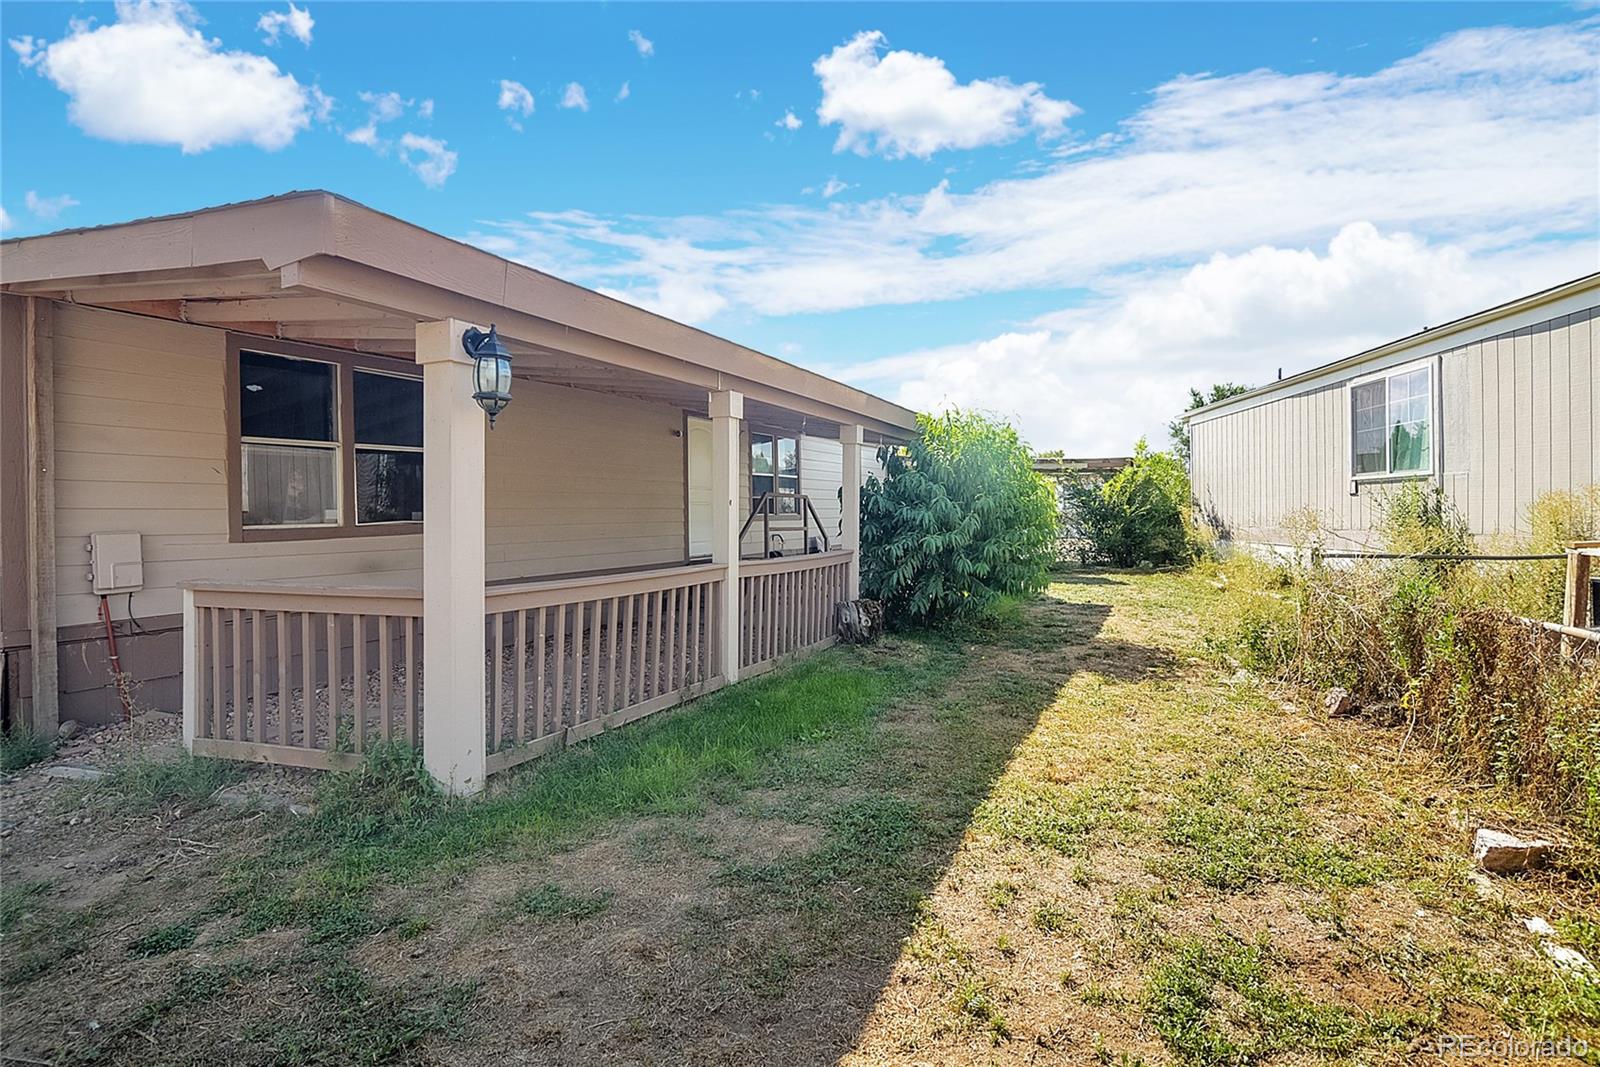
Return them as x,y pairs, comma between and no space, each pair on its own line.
1140,515
959,520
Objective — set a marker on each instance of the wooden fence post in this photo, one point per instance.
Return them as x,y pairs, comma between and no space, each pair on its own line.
1575,604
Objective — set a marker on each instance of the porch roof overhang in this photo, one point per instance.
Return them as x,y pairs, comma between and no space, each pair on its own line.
318,268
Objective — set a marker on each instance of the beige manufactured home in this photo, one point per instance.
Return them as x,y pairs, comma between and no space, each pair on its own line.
247,437
1495,409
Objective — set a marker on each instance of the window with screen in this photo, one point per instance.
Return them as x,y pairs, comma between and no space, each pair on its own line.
288,440
329,443
1391,421
775,469
388,444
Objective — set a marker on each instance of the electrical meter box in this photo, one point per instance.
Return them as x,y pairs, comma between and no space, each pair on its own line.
116,563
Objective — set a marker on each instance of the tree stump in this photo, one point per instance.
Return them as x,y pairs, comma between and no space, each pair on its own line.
859,622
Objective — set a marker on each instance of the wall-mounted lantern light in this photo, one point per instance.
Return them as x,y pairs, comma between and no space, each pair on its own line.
492,374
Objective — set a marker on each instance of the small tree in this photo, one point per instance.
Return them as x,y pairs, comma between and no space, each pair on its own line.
959,519
1141,515
1179,430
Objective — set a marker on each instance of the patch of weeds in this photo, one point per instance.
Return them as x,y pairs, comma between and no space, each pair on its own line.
1217,1001
351,1019
1241,824
933,945
1001,895
1051,816
1581,933
17,902
549,902
1138,922
412,927
1005,946
662,842
975,999
1096,995
772,974
162,940
143,781
21,747
45,939
1052,918
1082,874
1532,995
868,842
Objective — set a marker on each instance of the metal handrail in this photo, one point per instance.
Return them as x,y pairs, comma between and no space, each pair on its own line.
806,509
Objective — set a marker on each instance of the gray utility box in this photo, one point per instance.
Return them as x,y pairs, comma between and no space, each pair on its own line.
116,563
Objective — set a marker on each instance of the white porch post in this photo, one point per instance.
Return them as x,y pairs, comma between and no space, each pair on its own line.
850,440
727,412
455,689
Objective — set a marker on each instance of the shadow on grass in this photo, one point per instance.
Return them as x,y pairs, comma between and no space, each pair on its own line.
1084,577
888,752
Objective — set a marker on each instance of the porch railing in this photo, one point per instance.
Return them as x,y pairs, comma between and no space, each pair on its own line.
787,605
568,658
301,674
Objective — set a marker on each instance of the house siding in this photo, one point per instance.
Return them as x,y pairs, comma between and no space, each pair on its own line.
1518,419
582,481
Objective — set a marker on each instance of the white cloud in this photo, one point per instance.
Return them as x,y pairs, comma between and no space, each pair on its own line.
322,104
5,220
152,77
48,207
382,108
833,187
623,93
515,98
428,158
1209,164
296,22
385,106
574,97
1092,379
645,45
902,103
790,122
1226,215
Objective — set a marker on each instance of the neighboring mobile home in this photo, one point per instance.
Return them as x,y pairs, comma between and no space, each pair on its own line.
273,400
1495,409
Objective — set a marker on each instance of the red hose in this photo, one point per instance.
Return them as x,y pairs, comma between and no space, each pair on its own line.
116,661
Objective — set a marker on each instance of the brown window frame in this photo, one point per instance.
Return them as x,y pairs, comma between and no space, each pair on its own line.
775,435
346,364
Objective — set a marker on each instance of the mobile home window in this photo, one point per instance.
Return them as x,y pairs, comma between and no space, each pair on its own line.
388,448
775,468
288,441
328,443
1391,419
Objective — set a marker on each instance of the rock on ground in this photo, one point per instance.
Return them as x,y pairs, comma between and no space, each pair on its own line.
1503,853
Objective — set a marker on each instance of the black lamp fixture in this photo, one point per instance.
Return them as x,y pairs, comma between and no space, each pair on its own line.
492,374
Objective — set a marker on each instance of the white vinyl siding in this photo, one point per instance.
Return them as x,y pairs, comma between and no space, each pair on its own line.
1518,414
141,446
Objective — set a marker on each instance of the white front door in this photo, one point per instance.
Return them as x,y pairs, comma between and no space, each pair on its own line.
699,436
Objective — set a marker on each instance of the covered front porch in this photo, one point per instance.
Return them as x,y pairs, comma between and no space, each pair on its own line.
484,668
348,553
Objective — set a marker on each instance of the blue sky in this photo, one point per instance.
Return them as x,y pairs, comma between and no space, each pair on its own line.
1066,214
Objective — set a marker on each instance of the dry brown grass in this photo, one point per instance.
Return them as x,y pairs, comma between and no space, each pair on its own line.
1066,838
